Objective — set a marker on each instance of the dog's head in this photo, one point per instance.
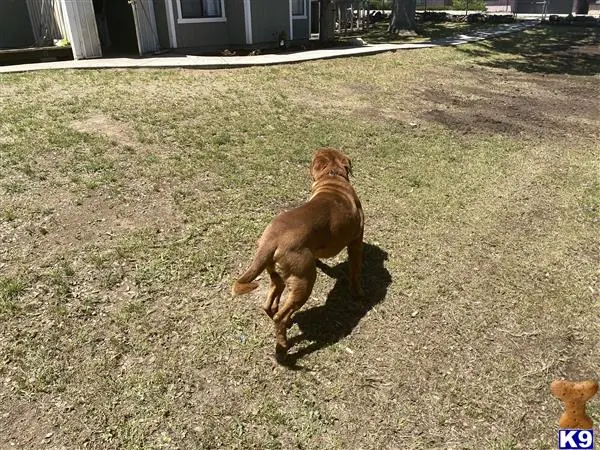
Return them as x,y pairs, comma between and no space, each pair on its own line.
328,161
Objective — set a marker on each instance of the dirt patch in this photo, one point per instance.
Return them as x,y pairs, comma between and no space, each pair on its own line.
24,426
102,125
70,223
541,107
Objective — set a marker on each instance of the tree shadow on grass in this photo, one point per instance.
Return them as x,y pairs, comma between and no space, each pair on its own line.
325,325
425,32
546,49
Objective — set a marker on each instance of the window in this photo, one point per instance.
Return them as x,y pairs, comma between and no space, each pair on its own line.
298,8
200,10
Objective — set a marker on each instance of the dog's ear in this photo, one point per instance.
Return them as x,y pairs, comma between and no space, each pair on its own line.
348,166
317,165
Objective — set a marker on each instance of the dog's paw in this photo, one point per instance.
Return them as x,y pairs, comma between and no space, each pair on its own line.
281,354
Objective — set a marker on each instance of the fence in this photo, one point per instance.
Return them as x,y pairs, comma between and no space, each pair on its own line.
351,16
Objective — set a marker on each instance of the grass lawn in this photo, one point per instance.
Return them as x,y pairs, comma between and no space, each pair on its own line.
426,31
130,201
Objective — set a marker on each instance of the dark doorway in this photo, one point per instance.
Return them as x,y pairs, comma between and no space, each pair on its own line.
315,18
116,27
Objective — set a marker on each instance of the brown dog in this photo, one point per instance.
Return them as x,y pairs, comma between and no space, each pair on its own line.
290,245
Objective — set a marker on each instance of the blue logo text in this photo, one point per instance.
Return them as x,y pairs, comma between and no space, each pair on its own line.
575,439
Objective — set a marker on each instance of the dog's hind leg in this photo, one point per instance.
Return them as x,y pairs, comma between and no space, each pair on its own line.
271,304
300,285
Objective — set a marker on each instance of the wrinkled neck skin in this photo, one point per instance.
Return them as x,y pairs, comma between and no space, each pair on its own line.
330,182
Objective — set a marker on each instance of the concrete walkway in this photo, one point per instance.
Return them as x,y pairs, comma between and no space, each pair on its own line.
221,62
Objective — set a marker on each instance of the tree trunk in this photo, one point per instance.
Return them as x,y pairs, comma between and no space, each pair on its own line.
403,16
582,6
327,30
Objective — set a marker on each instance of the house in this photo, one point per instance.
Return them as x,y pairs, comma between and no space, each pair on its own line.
103,27
543,7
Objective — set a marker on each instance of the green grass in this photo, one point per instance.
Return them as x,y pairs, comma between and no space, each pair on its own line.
10,291
131,200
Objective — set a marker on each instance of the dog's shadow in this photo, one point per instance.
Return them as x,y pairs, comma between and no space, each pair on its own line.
325,325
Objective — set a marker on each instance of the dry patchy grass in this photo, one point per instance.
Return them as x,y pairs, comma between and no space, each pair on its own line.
131,199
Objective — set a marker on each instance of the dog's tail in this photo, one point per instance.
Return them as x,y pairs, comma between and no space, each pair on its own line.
246,283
